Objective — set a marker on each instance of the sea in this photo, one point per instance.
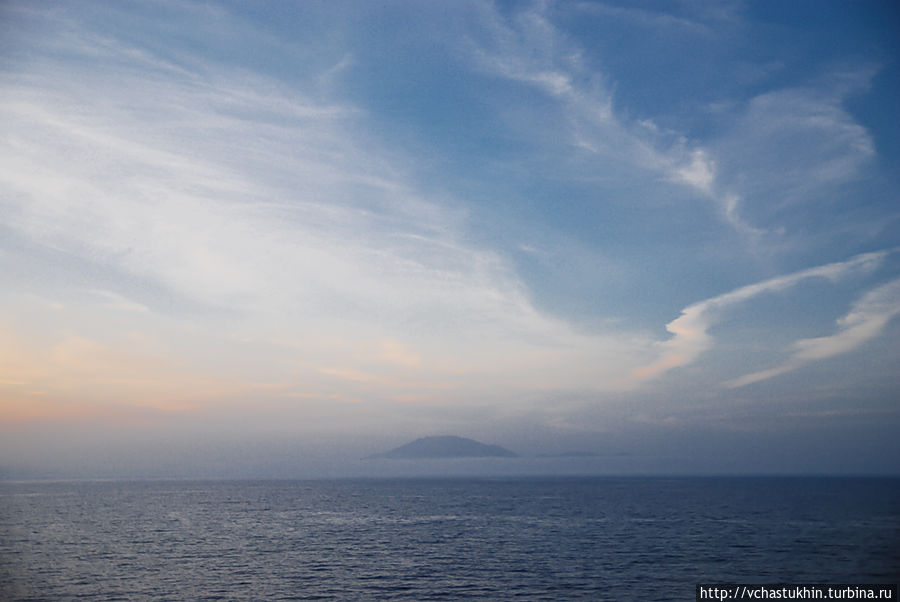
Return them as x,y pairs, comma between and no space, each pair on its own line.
575,538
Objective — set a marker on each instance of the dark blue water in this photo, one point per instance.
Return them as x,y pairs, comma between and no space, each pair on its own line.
531,539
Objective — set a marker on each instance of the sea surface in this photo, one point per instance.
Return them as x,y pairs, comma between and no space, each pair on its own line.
441,539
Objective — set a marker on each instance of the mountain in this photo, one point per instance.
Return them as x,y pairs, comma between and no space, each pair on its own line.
446,446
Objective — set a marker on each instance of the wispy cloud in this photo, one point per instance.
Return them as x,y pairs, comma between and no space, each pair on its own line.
645,18
785,150
78,370
271,207
227,217
529,49
222,193
690,331
117,302
865,321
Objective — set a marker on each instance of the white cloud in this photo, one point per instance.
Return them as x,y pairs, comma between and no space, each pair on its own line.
773,153
690,331
226,195
699,173
789,148
530,50
646,18
865,321
117,302
270,207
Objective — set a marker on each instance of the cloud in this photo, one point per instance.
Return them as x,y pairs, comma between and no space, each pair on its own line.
268,214
530,50
699,173
227,195
690,331
117,302
75,372
865,321
650,19
787,150
764,160
397,352
268,219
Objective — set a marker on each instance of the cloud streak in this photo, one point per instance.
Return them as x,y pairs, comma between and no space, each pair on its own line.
865,321
532,51
690,330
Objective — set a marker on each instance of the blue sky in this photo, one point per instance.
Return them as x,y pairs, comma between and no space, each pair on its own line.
662,232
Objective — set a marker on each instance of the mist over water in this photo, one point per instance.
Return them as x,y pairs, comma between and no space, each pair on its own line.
153,453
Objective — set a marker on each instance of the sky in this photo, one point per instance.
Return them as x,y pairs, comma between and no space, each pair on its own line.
269,239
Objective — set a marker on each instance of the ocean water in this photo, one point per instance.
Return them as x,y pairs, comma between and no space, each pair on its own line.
441,539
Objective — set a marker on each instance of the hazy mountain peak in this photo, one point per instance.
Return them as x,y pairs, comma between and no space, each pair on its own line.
446,446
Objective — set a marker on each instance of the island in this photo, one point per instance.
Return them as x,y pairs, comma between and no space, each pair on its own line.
446,446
